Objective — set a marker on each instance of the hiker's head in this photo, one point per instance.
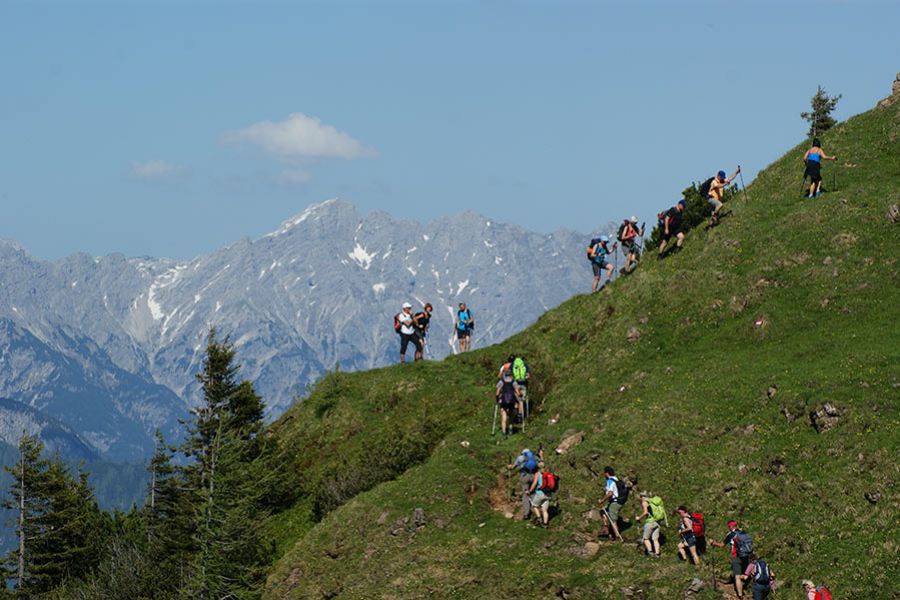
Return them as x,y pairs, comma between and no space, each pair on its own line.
753,557
427,308
721,175
633,220
681,204
604,239
609,472
462,306
682,510
816,142
732,525
808,585
511,358
407,307
644,495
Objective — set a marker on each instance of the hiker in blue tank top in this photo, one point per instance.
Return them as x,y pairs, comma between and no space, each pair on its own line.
813,160
598,253
465,323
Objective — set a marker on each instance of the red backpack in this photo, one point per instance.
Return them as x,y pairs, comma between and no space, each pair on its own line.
397,323
822,593
550,481
698,524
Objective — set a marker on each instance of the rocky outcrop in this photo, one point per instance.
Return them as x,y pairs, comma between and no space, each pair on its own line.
895,93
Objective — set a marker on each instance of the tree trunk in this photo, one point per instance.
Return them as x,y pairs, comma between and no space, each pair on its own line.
21,571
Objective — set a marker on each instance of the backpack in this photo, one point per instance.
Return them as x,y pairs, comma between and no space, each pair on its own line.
698,525
822,593
704,187
549,481
620,235
590,248
743,543
519,370
657,510
530,464
397,323
761,573
507,394
623,490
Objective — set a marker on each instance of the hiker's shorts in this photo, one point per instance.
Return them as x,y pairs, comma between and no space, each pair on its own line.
674,230
629,246
462,333
715,203
540,500
406,339
651,531
761,592
689,540
612,511
598,267
814,171
739,565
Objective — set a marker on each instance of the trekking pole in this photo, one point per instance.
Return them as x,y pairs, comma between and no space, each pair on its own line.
743,188
494,424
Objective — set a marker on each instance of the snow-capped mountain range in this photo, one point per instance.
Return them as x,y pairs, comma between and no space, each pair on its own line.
109,346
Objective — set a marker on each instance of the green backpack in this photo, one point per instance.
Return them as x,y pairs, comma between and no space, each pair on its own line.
657,510
520,372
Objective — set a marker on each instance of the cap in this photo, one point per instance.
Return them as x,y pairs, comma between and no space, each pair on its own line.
604,238
407,305
633,220
682,203
732,523
721,174
644,494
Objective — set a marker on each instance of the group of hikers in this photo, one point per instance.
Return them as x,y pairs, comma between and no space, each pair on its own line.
413,328
537,483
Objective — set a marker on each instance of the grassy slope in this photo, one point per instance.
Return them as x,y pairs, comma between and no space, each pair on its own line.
822,275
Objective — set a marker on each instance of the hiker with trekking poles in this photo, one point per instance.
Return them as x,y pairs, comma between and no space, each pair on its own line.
670,225
421,321
527,464
598,253
508,396
404,325
653,512
518,369
813,161
628,234
713,189
740,545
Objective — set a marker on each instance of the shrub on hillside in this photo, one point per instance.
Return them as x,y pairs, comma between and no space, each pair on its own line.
696,211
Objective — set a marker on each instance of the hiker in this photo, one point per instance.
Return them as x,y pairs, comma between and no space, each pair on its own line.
654,512
616,496
813,160
542,485
741,545
421,321
628,234
465,323
716,192
670,224
527,465
404,325
507,399
761,575
598,253
814,592
516,369
687,529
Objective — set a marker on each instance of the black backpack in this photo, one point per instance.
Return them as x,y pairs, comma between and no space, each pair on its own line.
704,187
621,232
623,489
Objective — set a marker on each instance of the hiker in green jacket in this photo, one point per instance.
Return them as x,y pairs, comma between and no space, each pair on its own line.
654,515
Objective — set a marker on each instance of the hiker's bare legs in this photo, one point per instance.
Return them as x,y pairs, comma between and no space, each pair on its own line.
680,241
738,586
648,546
681,552
609,272
596,283
503,420
545,515
695,556
812,190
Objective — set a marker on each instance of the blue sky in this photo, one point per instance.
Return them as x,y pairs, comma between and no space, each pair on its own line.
172,128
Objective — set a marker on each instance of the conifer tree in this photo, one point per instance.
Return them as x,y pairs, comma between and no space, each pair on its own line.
820,119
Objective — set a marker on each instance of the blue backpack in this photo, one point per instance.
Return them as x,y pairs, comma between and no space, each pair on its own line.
743,544
761,574
530,464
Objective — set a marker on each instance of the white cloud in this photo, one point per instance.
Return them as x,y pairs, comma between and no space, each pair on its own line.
293,177
155,169
298,137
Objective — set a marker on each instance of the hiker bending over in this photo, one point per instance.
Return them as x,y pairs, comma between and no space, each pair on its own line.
813,160
541,487
687,530
616,495
628,235
740,545
598,254
465,323
761,575
527,465
405,326
420,322
654,514
814,592
671,225
507,398
717,192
